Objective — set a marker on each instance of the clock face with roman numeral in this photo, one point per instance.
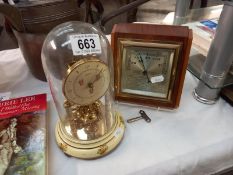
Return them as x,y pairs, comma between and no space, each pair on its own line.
86,81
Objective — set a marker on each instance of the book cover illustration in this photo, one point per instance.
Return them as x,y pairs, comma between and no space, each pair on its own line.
23,136
4,96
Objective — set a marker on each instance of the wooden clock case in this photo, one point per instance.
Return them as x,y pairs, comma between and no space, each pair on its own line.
150,33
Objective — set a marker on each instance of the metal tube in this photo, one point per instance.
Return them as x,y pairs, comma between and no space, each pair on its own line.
219,58
181,11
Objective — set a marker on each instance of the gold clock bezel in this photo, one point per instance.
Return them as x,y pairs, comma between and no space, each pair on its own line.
73,69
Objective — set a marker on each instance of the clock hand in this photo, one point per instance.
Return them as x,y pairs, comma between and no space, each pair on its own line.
141,60
145,71
97,77
91,84
91,87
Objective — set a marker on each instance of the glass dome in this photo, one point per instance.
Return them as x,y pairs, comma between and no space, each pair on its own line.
78,64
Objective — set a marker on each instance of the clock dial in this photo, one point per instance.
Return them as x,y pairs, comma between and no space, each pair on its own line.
86,81
147,70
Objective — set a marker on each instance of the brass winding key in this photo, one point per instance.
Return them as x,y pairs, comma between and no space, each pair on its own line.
143,116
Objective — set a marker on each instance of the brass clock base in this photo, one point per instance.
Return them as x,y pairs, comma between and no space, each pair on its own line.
94,148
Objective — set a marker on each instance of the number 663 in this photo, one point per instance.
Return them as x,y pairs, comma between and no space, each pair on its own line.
86,43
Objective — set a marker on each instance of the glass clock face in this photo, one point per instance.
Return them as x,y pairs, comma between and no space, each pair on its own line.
147,71
86,81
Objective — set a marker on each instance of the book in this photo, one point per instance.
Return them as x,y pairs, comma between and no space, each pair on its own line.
203,34
23,136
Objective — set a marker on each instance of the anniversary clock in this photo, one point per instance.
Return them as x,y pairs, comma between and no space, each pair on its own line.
78,64
150,63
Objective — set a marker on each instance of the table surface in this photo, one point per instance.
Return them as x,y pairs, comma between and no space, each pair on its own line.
194,139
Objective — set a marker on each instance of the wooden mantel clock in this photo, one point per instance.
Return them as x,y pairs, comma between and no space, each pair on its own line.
150,63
